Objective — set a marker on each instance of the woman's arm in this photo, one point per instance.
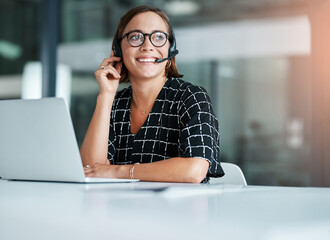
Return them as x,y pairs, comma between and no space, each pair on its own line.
188,170
94,147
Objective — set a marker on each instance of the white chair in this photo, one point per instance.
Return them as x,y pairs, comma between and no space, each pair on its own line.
233,175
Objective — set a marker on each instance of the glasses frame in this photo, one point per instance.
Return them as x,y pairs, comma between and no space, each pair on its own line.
144,37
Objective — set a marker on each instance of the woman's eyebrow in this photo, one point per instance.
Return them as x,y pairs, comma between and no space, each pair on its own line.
133,30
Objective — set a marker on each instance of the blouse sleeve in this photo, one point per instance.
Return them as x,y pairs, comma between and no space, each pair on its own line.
199,129
111,141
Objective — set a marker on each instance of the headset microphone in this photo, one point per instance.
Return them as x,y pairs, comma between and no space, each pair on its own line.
172,54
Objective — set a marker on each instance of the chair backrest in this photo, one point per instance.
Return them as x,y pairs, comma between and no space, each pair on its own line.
233,175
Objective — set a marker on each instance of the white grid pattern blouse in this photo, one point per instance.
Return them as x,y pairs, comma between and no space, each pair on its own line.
180,124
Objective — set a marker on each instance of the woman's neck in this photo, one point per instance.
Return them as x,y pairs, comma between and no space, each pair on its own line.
145,91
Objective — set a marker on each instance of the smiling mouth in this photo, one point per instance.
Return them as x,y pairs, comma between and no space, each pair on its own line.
146,60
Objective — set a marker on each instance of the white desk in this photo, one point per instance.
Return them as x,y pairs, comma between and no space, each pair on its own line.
32,210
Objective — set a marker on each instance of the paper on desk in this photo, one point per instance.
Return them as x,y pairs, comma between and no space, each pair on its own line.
187,191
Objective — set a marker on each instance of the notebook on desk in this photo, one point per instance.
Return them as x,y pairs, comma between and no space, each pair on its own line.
38,143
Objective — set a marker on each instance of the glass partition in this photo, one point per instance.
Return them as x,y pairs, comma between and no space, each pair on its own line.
19,43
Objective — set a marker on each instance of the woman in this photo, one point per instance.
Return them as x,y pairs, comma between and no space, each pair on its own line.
161,128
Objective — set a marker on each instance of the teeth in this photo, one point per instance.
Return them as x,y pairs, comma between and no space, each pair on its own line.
146,60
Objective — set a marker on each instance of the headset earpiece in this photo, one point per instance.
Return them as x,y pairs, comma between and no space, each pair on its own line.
116,47
172,50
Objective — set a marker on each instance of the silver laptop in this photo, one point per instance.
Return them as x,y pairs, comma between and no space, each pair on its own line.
38,143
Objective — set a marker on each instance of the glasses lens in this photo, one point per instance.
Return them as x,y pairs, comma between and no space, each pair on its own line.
158,39
135,39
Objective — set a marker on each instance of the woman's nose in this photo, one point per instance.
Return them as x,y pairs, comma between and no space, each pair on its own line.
147,45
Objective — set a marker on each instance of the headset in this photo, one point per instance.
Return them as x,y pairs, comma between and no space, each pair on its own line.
172,51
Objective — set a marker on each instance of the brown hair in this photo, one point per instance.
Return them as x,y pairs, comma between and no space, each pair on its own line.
172,70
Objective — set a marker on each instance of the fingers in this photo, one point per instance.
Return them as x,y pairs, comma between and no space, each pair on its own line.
112,54
111,67
110,61
89,171
109,72
96,170
119,67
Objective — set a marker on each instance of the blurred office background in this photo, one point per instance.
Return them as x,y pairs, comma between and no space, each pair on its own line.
265,63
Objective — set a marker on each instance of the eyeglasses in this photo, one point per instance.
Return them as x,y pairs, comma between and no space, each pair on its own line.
137,38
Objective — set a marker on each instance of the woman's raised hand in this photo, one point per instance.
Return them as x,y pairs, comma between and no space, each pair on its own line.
108,74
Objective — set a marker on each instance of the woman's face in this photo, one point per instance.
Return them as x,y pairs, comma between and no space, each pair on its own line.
140,61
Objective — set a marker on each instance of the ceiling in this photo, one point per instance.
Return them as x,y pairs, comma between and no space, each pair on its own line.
191,12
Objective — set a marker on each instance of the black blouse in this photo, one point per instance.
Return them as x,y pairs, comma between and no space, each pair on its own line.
180,124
